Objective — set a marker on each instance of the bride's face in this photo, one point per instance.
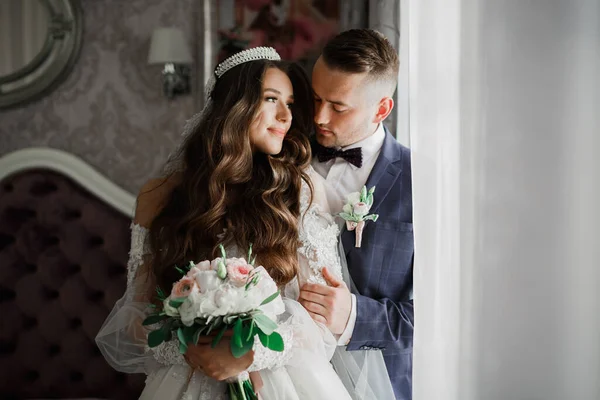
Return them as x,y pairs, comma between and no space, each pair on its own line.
274,116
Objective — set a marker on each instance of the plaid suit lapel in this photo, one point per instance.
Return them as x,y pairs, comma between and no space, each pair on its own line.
385,172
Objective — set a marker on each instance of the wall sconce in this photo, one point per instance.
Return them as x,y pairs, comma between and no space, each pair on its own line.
168,47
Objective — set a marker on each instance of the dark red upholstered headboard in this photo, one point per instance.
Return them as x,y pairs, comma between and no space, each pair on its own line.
63,255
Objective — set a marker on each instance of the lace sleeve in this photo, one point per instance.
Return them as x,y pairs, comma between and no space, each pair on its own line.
304,341
122,338
318,248
319,234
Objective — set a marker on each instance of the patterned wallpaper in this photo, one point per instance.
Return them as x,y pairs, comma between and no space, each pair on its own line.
110,111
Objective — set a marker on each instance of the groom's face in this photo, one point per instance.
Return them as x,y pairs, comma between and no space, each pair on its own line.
344,108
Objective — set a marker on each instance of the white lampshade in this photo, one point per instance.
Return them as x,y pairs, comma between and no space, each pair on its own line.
169,46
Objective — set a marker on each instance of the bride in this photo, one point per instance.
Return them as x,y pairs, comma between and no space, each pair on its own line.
241,176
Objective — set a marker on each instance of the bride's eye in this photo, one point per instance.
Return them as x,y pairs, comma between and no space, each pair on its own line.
271,99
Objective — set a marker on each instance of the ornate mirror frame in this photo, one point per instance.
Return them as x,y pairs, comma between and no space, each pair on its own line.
56,59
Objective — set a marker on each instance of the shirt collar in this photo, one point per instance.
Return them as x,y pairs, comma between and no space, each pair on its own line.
371,145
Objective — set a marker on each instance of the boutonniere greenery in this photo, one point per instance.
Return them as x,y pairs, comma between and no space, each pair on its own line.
356,212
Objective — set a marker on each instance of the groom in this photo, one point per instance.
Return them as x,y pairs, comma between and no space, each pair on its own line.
353,83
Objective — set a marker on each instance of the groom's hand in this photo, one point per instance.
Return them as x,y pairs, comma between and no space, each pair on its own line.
329,305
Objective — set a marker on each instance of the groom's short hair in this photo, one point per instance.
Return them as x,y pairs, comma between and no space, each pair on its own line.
364,50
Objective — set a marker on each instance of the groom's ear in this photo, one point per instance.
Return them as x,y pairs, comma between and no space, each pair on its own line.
384,108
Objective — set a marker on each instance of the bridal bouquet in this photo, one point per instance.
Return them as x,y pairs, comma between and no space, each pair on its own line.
214,296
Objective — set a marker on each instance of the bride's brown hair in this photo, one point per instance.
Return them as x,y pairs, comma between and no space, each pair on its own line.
224,186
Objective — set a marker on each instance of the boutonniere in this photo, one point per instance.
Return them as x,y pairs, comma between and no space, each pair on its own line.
356,212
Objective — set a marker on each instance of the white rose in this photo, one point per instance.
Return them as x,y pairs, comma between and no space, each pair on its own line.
203,265
231,300
207,307
214,264
361,209
353,198
188,310
265,287
207,280
169,310
347,209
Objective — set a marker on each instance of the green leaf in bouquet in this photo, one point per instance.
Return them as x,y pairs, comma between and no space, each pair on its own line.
154,319
370,200
182,341
372,217
223,254
371,191
176,303
156,337
160,294
214,324
348,217
264,339
363,194
221,270
240,351
197,335
252,331
270,298
237,333
182,272
275,342
265,324
218,338
249,254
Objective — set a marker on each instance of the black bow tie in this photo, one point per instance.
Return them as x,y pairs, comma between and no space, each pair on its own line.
353,156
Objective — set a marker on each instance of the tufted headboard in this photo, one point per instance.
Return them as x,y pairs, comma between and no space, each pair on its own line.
63,255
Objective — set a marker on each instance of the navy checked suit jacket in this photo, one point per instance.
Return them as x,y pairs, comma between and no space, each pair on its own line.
382,268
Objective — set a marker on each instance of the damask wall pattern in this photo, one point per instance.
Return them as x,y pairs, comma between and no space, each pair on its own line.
110,111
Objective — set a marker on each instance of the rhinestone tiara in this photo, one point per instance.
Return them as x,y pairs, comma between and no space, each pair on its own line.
256,53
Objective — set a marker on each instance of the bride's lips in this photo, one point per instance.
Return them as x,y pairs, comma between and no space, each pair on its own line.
277,131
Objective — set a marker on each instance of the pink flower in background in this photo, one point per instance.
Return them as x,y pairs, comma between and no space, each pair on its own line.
183,287
238,271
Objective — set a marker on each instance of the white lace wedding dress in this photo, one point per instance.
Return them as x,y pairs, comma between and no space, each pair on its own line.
301,371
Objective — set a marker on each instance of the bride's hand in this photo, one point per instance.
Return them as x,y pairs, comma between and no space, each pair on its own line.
217,363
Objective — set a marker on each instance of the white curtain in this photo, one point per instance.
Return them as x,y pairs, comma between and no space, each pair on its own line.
505,134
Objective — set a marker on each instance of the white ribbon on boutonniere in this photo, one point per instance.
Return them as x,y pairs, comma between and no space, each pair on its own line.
356,212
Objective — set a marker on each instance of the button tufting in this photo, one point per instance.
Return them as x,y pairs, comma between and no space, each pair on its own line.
29,323
32,376
5,241
53,350
75,323
96,241
6,294
76,376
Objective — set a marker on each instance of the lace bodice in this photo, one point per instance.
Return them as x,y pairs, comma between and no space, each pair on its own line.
318,248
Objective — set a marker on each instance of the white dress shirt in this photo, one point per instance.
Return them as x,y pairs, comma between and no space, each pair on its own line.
343,178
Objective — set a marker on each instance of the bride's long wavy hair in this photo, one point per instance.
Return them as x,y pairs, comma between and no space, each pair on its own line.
222,185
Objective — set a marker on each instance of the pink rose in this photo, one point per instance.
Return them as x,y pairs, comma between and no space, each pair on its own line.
361,209
183,288
238,270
